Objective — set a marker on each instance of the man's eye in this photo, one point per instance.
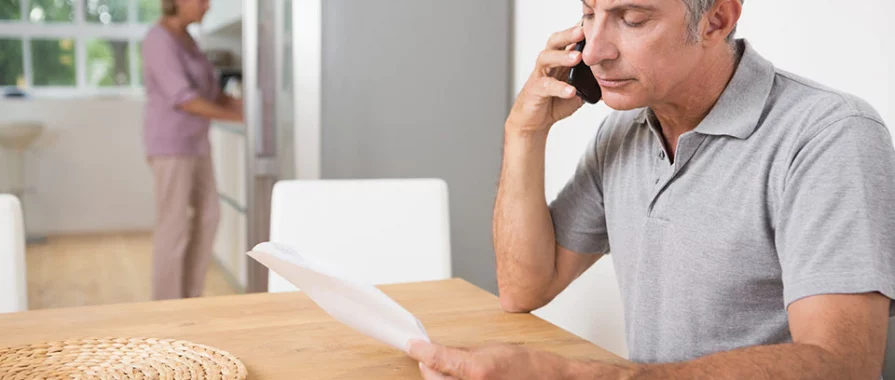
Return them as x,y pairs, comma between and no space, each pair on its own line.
587,16
633,23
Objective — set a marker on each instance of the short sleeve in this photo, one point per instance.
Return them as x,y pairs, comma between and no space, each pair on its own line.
579,219
166,70
835,232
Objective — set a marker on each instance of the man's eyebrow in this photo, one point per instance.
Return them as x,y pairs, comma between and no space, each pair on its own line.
625,6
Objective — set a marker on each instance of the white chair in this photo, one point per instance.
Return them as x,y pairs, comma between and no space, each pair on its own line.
376,231
13,291
591,308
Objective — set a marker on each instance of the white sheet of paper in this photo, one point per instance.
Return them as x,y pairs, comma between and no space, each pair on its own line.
360,306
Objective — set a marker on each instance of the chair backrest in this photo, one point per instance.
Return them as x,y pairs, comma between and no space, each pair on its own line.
376,231
13,287
591,308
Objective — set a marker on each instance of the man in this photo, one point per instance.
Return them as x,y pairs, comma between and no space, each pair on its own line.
750,212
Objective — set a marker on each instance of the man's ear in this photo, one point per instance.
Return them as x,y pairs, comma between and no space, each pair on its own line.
721,21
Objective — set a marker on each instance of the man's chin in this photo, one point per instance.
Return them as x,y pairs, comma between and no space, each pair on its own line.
622,102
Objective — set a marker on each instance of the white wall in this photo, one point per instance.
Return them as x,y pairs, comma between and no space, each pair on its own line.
848,47
88,172
845,45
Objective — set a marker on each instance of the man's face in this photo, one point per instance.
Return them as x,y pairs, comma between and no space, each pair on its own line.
638,50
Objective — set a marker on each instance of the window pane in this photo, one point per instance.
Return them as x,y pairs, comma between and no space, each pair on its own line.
139,58
53,62
149,11
51,11
105,11
10,10
107,63
12,63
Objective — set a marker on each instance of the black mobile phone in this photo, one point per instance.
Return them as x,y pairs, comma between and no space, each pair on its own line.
583,80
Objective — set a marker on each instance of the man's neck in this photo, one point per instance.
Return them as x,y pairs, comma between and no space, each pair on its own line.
695,98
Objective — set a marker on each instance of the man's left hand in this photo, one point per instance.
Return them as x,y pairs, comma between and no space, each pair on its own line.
505,362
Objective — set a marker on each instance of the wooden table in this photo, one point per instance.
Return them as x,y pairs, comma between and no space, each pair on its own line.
286,336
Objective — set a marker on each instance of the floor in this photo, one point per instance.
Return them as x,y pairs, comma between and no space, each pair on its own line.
98,269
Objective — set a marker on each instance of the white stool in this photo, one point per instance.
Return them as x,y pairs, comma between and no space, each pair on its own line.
15,139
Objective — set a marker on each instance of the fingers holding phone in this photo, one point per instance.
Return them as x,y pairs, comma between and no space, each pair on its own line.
554,66
547,97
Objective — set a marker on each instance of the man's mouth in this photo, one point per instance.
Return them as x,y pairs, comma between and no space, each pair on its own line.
613,82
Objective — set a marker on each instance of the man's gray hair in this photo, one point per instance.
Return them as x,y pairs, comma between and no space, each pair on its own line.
697,9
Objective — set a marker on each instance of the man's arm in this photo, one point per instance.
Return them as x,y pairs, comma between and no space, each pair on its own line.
834,337
531,268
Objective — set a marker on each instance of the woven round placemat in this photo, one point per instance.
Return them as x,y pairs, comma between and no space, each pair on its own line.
119,358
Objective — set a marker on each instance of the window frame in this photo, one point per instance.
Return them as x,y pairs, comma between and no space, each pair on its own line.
81,31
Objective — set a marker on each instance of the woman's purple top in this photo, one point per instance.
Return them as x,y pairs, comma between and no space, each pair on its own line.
172,75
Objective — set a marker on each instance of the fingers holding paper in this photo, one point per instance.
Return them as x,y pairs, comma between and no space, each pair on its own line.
489,362
440,362
431,374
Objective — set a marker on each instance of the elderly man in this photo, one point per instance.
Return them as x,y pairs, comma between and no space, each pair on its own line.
750,212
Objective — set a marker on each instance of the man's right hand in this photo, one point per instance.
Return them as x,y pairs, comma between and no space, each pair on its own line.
546,97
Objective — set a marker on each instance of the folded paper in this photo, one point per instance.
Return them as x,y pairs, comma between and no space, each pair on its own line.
360,306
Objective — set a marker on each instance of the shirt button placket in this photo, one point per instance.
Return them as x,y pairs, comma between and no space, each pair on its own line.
661,160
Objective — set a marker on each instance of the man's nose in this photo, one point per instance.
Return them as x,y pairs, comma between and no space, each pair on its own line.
600,46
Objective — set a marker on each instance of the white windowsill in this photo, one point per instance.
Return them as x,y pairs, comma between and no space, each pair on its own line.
63,93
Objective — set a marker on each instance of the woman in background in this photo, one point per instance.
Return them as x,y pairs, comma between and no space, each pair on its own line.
182,97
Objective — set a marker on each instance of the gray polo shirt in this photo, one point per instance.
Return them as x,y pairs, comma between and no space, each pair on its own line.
785,190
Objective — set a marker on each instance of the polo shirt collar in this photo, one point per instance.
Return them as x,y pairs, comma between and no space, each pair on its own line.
738,110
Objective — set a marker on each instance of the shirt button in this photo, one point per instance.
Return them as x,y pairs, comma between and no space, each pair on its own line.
661,154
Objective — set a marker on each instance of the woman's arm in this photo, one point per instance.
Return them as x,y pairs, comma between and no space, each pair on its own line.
230,102
203,108
174,86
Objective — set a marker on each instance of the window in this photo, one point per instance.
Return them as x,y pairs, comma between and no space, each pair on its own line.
139,63
149,11
107,63
10,10
51,11
12,67
106,11
74,46
53,62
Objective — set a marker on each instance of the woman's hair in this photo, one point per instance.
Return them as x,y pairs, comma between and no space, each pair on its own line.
169,7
